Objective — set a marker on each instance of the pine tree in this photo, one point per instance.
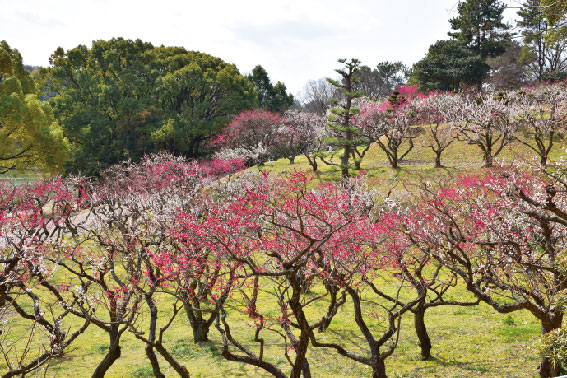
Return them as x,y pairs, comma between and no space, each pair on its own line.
480,27
534,25
345,134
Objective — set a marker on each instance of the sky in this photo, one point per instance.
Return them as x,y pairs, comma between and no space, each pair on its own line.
294,40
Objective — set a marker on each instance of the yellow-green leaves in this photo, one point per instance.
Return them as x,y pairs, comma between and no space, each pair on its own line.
30,139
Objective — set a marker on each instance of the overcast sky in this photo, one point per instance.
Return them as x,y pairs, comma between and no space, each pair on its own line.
294,40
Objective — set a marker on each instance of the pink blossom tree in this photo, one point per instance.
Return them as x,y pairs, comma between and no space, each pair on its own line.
131,210
283,239
391,124
250,135
298,133
275,231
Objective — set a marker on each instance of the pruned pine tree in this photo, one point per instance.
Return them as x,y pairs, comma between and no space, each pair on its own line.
344,133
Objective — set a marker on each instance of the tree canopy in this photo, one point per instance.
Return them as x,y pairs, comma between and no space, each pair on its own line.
121,99
480,27
448,66
382,80
29,136
273,98
544,38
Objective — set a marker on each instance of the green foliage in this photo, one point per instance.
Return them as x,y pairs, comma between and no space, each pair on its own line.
344,134
554,346
509,320
142,372
29,136
121,99
183,349
449,65
480,27
554,10
544,39
273,98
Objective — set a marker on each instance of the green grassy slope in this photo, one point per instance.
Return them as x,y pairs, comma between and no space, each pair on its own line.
467,341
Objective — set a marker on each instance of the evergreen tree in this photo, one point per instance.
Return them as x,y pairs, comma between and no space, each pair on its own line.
448,66
345,134
121,99
273,98
480,27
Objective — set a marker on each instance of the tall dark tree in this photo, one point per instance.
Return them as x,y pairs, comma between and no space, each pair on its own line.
480,27
448,66
273,98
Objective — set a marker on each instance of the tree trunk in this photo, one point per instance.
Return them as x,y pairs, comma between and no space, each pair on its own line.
200,332
357,165
421,331
300,364
438,160
291,160
379,369
546,368
2,295
113,354
487,160
395,164
488,153
180,369
315,166
344,163
199,325
543,160
395,159
306,369
153,362
152,337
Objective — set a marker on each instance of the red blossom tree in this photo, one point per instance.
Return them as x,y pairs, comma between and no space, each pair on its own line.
280,238
250,135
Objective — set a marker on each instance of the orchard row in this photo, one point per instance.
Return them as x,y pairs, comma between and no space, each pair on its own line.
535,117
